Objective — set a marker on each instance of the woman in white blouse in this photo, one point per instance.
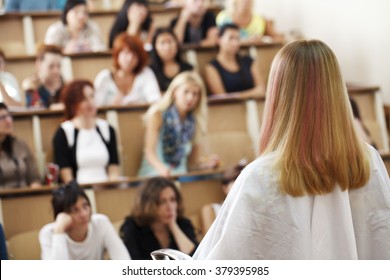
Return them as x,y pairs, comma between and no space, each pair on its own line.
131,81
84,146
76,233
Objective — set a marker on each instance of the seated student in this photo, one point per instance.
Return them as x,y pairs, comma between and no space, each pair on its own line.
30,5
195,25
84,145
134,19
42,89
75,33
157,221
9,86
174,127
131,81
76,233
230,72
17,164
252,27
210,211
316,191
166,60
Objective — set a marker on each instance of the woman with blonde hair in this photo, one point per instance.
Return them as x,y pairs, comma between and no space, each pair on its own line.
252,26
174,127
316,191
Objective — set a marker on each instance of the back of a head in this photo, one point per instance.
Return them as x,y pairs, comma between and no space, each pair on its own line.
308,121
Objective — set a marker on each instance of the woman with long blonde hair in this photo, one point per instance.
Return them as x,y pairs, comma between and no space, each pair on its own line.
174,127
316,191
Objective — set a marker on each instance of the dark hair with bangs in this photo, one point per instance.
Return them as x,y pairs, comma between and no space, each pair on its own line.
148,197
66,196
135,45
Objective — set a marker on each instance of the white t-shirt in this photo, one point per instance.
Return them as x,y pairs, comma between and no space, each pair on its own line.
145,88
256,221
101,236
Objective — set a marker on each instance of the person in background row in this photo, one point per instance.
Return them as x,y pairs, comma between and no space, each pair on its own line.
231,72
252,27
131,81
24,6
166,61
75,33
9,86
134,19
157,221
174,128
84,146
17,165
42,89
76,233
195,25
316,191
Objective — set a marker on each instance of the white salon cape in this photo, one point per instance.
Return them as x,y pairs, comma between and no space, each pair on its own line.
258,222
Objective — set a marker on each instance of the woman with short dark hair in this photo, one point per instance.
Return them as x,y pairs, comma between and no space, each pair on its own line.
157,221
76,233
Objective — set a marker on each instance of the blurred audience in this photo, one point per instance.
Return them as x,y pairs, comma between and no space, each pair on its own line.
231,72
134,19
75,33
157,221
174,128
195,25
42,89
252,26
9,86
17,164
166,61
84,146
77,233
131,81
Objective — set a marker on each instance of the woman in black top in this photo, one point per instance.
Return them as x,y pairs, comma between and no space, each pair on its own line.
230,72
166,61
157,221
133,18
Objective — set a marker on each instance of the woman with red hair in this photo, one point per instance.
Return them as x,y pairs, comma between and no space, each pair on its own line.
84,146
130,81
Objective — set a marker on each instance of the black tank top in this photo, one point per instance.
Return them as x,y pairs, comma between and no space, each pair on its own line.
236,81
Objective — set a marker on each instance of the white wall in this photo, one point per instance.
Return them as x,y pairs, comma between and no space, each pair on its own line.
357,30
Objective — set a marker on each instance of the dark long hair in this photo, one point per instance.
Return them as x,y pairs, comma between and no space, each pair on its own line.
147,200
154,57
6,145
122,22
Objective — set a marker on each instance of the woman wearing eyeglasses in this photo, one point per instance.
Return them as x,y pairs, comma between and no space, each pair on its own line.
76,233
17,164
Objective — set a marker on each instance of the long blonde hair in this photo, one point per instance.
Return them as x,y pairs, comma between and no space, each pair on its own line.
200,112
308,122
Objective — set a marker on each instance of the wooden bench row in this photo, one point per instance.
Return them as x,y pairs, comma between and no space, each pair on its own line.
23,32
